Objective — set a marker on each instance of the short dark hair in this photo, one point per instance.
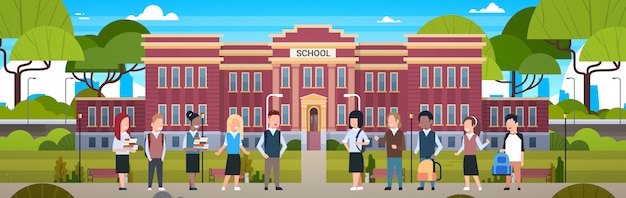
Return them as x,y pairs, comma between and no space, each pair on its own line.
273,112
510,116
358,115
427,114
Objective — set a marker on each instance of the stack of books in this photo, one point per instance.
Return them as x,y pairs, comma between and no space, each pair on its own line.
200,143
131,144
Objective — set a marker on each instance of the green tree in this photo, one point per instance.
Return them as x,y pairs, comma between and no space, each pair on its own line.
518,26
115,51
454,24
21,16
575,19
85,93
606,45
58,108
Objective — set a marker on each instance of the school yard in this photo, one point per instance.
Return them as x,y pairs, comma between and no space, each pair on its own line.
582,166
38,166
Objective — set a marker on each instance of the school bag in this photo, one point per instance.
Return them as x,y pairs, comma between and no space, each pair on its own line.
150,142
362,149
426,170
501,164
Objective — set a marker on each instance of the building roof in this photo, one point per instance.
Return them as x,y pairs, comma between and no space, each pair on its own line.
108,99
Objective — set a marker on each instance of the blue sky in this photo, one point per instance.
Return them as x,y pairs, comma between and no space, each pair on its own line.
252,21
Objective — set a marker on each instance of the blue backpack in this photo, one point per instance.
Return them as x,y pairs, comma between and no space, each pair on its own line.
501,165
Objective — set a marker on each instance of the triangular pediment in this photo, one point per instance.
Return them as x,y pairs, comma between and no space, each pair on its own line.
313,97
313,33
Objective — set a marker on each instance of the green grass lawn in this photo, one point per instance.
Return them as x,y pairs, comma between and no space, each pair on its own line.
583,166
38,166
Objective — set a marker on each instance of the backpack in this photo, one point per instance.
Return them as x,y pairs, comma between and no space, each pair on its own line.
427,171
149,142
362,149
265,138
501,165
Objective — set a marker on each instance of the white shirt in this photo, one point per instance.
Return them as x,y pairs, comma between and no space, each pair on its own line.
351,139
513,148
394,131
119,144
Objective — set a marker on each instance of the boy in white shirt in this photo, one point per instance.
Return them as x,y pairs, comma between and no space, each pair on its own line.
515,143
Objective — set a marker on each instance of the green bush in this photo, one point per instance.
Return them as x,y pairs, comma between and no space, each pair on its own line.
55,135
42,190
568,106
48,146
331,145
67,143
340,147
557,141
578,145
371,165
559,171
258,178
614,113
583,191
596,142
82,94
20,140
58,108
60,172
555,112
246,165
294,145
37,111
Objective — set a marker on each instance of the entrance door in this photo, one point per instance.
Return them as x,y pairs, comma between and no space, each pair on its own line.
313,136
313,126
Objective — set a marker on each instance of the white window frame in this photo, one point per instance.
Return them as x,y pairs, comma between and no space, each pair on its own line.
108,118
491,116
371,82
382,115
162,75
285,119
175,83
131,116
175,118
319,77
200,75
452,114
245,76
230,110
467,81
232,77
164,113
383,76
451,77
189,76
187,122
305,78
369,116
520,116
260,114
437,116
393,82
341,120
424,76
339,80
245,115
530,119
260,79
287,75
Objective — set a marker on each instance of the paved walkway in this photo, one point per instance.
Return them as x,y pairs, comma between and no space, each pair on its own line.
136,190
313,167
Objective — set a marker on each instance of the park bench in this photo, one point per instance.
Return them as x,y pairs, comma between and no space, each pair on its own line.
219,173
101,173
543,173
382,173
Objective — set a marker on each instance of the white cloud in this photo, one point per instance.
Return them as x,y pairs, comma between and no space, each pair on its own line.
138,90
491,8
154,13
83,18
388,19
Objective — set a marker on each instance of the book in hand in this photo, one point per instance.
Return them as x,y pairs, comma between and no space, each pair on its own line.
131,144
201,143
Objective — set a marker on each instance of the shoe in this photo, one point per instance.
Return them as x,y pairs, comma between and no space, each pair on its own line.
161,189
237,189
519,188
149,188
433,188
193,188
420,188
507,188
387,188
466,189
223,189
122,189
480,189
353,189
265,188
400,188
279,188
359,188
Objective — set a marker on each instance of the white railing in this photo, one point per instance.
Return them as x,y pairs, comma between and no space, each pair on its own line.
70,121
586,121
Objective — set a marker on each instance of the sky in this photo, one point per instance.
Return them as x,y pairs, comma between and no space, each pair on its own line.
252,21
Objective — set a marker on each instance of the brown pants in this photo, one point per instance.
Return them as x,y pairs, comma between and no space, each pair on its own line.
272,163
517,169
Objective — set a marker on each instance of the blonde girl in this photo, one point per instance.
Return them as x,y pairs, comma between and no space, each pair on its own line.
233,144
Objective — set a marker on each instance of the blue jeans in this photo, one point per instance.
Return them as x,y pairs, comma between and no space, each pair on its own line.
394,162
432,183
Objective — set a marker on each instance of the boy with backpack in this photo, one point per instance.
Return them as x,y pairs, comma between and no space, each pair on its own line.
155,151
513,147
269,146
427,142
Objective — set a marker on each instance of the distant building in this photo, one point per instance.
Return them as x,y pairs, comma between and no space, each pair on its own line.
126,86
595,99
563,95
623,108
518,79
496,96
544,89
3,104
79,86
35,96
141,96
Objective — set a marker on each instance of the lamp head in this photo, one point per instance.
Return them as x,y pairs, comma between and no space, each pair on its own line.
564,115
615,78
569,78
346,95
279,95
411,115
32,78
202,115
80,116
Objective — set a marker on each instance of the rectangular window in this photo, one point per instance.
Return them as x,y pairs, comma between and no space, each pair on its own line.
451,143
175,141
284,77
163,112
189,77
258,81
202,109
451,114
319,77
104,141
202,77
189,107
451,77
92,117
245,114
369,116
532,143
104,116
464,77
175,114
464,113
284,111
394,81
519,111
245,81
437,77
162,77
532,116
394,109
307,77
369,82
245,142
116,110
257,116
437,114
341,114
257,140
92,142
494,142
175,77
424,77
232,79
232,110
381,116
423,107
341,77
505,111
494,117
381,81
131,114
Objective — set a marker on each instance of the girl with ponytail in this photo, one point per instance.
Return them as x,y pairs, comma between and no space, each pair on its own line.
470,143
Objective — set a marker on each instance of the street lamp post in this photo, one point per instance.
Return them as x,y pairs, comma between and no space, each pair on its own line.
358,99
411,149
80,168
202,134
65,98
267,105
565,140
574,97
621,109
28,101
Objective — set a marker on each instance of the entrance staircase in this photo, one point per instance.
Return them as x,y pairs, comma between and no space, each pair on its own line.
313,141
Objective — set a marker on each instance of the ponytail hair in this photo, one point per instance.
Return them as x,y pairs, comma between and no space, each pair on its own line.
475,124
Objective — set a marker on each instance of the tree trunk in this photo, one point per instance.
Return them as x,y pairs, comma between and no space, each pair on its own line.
17,85
587,91
513,84
99,93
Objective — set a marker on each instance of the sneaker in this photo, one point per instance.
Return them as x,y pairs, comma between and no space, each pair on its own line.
266,188
400,188
353,189
480,189
387,188
279,188
519,188
359,188
466,189
193,188
507,188
420,188
122,188
223,189
237,189
432,188
161,189
149,188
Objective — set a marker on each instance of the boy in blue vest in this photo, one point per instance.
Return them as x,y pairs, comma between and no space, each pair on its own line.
269,146
426,142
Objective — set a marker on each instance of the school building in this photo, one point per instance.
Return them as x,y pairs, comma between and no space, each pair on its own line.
322,74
